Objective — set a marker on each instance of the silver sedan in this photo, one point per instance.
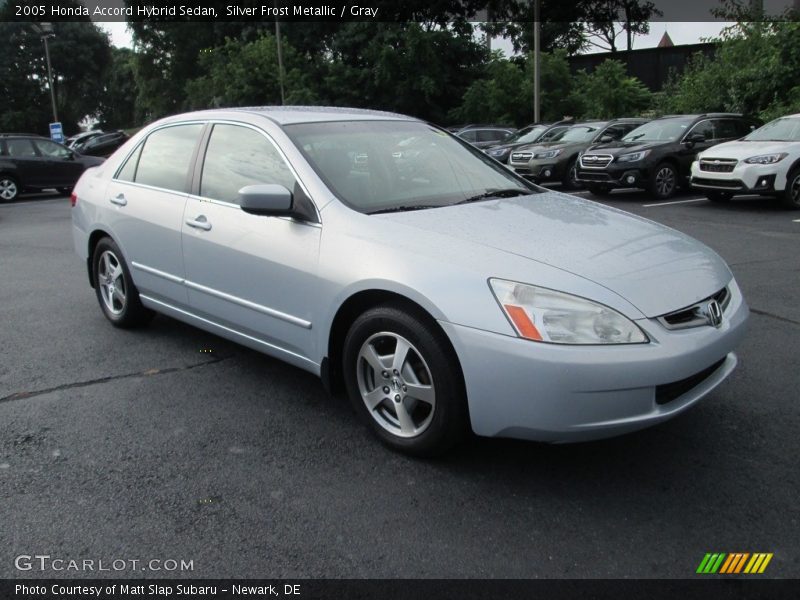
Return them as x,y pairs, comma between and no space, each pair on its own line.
439,290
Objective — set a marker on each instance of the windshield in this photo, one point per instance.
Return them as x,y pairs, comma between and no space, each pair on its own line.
579,133
383,165
779,130
660,130
526,135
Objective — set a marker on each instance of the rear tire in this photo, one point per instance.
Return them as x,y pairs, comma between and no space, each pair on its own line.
116,293
570,179
664,181
720,197
403,380
9,188
791,195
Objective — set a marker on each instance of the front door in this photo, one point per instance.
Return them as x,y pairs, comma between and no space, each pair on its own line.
253,274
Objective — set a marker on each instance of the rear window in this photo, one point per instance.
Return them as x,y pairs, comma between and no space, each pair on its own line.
166,156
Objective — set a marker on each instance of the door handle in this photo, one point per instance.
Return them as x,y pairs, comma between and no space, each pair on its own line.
199,222
119,200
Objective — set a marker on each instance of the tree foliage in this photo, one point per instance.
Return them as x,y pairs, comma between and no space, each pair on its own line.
609,92
753,71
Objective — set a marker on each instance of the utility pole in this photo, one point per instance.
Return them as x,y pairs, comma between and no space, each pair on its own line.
46,32
280,55
537,34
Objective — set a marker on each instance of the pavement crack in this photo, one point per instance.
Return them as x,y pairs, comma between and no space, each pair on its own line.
90,382
764,313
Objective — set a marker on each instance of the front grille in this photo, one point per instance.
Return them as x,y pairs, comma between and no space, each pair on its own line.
586,176
693,316
671,391
728,184
595,161
718,165
521,156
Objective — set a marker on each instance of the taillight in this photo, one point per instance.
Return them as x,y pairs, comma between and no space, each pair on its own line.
73,199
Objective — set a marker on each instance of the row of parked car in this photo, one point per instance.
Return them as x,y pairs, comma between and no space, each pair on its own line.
30,162
722,154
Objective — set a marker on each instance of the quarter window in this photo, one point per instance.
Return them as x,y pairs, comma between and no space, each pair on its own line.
128,170
165,158
20,149
52,150
237,157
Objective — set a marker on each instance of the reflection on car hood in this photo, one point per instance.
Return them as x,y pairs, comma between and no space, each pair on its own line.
741,150
655,268
617,148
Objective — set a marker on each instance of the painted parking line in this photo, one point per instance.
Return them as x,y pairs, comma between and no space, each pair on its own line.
676,202
796,221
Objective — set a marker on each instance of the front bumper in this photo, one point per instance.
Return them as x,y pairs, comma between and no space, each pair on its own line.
540,170
743,179
615,175
554,393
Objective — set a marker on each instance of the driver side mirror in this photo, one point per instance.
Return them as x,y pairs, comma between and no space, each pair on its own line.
605,139
268,199
695,138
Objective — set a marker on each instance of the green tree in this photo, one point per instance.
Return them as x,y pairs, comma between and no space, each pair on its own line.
609,92
246,74
118,102
80,55
753,71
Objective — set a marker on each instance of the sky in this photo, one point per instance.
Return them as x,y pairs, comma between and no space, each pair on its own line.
680,32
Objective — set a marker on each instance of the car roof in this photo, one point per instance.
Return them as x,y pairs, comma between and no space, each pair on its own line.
288,115
701,116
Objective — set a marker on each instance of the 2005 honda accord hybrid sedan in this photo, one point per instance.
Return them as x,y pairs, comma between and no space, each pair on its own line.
437,288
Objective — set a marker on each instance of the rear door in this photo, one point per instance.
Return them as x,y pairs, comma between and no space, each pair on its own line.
30,169
62,168
253,274
144,206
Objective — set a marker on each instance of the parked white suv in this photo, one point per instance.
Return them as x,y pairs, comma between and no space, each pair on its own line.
766,162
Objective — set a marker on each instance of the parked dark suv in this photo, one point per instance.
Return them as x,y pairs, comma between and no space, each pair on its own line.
532,134
556,160
103,145
658,155
36,163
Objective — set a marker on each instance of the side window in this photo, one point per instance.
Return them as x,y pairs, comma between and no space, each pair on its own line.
552,133
128,170
704,128
164,160
52,150
491,135
20,149
469,136
615,131
240,156
731,128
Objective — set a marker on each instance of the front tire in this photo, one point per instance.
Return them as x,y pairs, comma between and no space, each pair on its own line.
791,195
403,379
116,293
570,180
9,188
664,181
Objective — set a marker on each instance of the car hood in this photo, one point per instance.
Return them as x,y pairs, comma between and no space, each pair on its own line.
741,150
91,161
655,268
553,145
617,148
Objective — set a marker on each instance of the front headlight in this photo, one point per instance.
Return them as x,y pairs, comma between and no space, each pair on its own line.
498,152
545,315
765,159
547,154
633,156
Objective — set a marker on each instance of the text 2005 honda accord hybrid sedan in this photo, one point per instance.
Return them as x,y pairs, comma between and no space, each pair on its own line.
439,289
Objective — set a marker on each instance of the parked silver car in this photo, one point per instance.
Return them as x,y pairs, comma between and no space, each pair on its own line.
439,289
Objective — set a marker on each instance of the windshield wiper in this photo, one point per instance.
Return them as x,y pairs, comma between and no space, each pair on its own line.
499,193
633,137
404,208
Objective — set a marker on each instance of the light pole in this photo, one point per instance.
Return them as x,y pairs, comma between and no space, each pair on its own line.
46,32
537,43
280,54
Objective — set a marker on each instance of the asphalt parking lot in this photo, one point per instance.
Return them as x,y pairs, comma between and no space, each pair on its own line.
170,443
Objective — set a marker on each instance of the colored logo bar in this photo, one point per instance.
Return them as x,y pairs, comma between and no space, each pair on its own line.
734,563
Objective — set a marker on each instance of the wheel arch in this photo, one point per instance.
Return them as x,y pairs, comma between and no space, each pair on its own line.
94,239
350,309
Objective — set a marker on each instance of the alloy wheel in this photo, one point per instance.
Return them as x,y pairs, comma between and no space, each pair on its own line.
665,182
111,282
8,189
395,384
